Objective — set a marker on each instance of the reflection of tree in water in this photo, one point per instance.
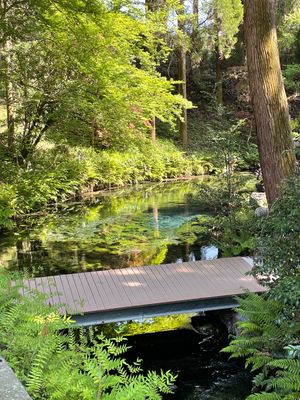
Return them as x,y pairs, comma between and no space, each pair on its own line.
119,229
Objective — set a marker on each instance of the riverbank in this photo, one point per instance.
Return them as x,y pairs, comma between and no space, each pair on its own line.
62,173
139,225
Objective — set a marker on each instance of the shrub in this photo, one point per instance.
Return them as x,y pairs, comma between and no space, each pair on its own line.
7,205
278,244
62,172
269,336
292,77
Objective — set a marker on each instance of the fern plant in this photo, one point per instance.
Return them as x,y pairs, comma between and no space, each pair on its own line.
55,361
269,336
265,334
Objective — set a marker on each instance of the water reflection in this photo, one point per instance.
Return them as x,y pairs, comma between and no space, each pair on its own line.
133,227
119,229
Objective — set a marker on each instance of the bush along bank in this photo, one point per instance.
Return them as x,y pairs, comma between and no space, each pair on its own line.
62,172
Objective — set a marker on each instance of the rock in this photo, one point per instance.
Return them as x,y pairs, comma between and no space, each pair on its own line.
192,256
258,199
261,212
209,252
10,387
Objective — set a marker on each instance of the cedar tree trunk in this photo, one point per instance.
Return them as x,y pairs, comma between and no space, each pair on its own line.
270,107
182,77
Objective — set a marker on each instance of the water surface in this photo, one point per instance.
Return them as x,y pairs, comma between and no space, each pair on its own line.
130,227
151,224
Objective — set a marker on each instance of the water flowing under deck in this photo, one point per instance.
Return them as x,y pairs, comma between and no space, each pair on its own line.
121,294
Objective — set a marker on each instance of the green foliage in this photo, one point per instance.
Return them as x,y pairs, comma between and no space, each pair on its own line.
278,245
233,224
230,13
7,205
237,230
292,77
150,325
223,140
289,32
266,331
269,334
86,74
72,365
64,172
225,17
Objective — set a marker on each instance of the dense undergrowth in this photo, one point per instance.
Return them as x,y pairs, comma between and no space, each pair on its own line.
63,172
55,361
269,333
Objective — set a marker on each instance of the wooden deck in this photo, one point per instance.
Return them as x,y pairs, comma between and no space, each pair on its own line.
119,294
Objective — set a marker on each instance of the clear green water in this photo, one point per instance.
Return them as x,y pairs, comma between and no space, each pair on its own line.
132,227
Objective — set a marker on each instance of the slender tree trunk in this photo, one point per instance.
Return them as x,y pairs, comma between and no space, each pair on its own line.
183,92
7,73
219,78
218,55
182,77
154,5
196,18
276,149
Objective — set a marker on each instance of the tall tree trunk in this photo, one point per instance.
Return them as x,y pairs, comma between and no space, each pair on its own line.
219,77
154,5
218,55
182,77
196,18
183,91
7,73
276,149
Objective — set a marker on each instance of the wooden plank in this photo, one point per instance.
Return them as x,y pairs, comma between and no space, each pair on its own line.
226,282
245,281
94,290
168,281
78,292
151,285
162,286
201,281
126,300
105,284
100,285
68,294
49,281
136,293
138,284
59,295
109,288
202,277
168,275
89,299
189,275
188,290
42,285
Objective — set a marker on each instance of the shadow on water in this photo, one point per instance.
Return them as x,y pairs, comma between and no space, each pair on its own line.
192,352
